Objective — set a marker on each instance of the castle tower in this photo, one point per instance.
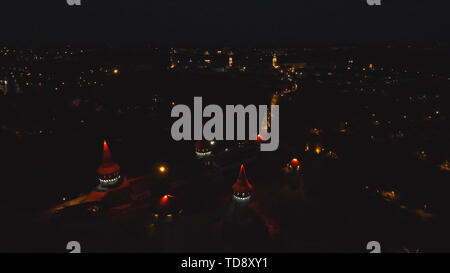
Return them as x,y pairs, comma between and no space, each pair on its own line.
242,189
239,210
202,149
293,176
165,217
108,172
167,209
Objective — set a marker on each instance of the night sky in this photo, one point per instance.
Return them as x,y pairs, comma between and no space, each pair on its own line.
228,22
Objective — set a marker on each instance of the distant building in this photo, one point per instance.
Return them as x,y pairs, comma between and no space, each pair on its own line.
275,61
18,90
167,209
4,86
293,176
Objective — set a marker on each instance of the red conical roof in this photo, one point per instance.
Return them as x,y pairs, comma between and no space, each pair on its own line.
108,166
168,204
165,201
106,153
242,184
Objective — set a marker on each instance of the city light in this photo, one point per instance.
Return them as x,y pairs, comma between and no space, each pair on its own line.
162,169
318,150
259,138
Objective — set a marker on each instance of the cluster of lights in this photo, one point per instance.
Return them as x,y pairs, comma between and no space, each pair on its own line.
169,216
421,155
242,194
294,164
241,198
445,166
200,154
109,181
318,149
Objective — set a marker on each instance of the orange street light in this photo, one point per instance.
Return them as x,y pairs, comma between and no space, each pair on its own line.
162,169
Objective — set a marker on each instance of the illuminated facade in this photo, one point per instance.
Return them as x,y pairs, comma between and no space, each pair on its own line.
108,172
167,209
4,86
294,165
275,62
202,149
242,189
292,175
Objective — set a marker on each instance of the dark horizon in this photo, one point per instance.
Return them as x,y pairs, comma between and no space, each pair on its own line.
174,23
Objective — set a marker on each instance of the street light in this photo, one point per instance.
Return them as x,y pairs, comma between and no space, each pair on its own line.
162,169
